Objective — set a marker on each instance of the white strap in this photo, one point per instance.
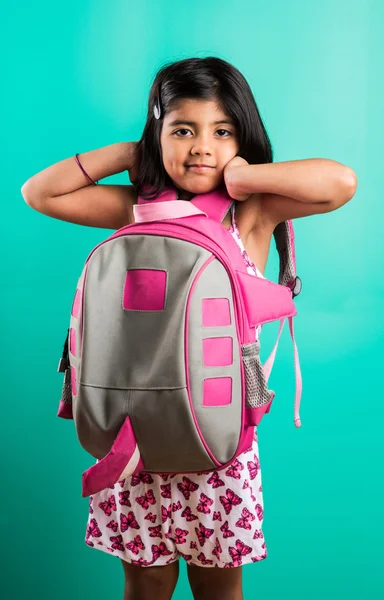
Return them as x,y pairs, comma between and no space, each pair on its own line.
267,367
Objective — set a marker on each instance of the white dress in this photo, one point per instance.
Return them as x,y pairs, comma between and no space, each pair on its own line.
210,519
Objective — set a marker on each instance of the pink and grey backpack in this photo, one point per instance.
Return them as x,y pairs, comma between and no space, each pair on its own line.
162,365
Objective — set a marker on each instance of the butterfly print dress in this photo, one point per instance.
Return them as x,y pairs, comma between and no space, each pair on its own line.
210,519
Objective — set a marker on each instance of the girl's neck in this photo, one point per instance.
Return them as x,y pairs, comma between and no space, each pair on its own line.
183,194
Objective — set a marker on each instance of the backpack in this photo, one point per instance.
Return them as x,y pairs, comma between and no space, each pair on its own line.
161,364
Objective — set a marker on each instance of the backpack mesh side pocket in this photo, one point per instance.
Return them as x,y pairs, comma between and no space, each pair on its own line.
256,388
66,393
65,405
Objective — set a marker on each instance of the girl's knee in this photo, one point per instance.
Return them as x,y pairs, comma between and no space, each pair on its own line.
209,583
147,583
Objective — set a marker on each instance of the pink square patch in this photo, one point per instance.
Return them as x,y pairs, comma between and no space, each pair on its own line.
216,312
144,289
217,352
217,391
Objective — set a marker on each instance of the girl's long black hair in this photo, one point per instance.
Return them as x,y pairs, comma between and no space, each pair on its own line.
207,78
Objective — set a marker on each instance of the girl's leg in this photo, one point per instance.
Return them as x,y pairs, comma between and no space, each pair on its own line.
209,583
150,583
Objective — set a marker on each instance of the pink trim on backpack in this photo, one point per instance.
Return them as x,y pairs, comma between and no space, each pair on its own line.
122,460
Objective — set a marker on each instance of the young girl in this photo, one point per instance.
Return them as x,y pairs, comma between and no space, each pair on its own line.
201,111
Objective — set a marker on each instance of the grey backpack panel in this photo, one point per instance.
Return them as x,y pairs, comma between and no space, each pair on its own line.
214,283
121,377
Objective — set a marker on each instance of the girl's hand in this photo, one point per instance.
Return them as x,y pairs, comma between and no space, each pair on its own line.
237,161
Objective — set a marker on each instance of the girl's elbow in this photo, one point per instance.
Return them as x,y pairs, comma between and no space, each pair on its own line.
348,185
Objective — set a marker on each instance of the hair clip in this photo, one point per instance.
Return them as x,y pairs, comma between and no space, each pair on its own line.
157,106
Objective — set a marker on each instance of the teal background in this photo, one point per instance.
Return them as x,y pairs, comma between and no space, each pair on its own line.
76,77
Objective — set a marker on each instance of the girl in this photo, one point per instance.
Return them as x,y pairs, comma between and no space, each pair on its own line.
201,111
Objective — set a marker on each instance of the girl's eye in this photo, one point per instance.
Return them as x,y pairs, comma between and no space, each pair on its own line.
176,132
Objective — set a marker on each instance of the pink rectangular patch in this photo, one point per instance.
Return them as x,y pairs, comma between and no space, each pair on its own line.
76,304
217,352
216,312
217,391
144,289
72,341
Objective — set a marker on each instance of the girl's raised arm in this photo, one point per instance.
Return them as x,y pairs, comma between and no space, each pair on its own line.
62,191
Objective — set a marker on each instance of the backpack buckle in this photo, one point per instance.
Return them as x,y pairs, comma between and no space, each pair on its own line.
295,286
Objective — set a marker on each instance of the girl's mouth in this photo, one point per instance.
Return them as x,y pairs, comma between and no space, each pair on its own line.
200,169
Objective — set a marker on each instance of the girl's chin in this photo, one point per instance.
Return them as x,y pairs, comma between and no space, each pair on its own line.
196,185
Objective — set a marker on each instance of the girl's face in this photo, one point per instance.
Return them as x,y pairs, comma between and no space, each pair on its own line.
199,132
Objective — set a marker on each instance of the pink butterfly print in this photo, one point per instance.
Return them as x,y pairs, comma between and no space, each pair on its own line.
204,504
226,531
246,517
93,529
215,480
155,531
238,552
230,500
166,513
187,557
204,561
89,543
261,488
259,511
146,500
203,534
193,546
166,490
135,545
245,484
180,535
263,545
258,558
160,550
128,521
253,467
187,513
247,260
141,478
253,498
217,549
90,505
113,525
234,469
168,535
124,498
117,542
258,534
108,506
187,487
166,476
141,562
176,506
216,516
150,517
121,482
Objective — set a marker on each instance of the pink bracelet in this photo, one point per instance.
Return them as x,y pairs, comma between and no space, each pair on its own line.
84,171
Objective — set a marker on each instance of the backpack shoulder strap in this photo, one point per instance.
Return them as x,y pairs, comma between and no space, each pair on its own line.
285,244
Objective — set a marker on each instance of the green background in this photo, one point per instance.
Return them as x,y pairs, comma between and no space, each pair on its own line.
76,77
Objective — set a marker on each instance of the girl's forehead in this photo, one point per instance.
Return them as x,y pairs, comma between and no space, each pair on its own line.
198,111
196,105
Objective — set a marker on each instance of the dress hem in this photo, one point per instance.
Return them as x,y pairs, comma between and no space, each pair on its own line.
247,561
